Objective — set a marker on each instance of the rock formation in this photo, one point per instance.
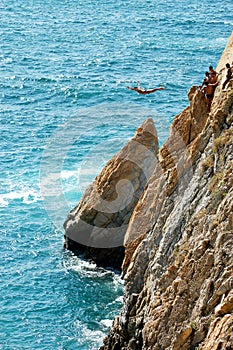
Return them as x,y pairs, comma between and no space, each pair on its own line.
178,265
178,232
97,226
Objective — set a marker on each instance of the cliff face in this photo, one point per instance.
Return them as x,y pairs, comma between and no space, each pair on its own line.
168,215
178,265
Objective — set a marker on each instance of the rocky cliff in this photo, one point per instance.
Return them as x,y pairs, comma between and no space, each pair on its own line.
97,226
178,232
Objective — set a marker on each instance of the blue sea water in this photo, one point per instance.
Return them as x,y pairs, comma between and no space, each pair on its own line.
65,110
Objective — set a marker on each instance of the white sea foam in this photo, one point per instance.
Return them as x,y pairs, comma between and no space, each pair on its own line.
67,174
120,299
27,197
107,323
6,60
3,202
89,269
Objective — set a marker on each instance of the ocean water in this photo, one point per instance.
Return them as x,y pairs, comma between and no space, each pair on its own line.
65,110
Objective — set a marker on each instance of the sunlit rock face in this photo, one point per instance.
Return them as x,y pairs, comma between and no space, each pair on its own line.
97,226
178,262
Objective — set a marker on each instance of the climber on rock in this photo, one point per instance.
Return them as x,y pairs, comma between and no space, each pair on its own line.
205,81
210,89
211,70
228,76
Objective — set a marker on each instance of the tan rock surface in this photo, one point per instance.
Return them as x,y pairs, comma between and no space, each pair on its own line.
227,55
169,213
174,165
178,265
98,224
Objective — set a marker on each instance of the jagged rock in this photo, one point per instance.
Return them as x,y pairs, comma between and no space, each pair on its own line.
178,262
96,227
220,335
174,165
226,306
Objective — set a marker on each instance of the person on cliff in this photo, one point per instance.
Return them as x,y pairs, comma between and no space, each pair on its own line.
210,89
144,92
228,76
211,70
205,82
